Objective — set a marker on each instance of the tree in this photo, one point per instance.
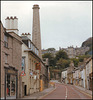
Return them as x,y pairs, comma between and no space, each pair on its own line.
51,49
52,60
61,54
75,61
47,55
63,63
81,57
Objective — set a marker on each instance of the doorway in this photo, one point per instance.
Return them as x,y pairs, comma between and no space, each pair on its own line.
25,88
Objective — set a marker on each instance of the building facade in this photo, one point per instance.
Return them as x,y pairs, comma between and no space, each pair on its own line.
88,73
53,52
44,79
70,73
64,76
73,52
11,45
80,76
30,59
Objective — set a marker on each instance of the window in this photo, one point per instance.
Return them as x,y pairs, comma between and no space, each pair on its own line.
5,41
23,64
29,45
32,46
37,52
6,58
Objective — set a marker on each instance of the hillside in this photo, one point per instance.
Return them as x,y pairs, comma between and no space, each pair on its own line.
88,43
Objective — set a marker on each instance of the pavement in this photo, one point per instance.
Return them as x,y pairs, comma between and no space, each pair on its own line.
83,89
39,95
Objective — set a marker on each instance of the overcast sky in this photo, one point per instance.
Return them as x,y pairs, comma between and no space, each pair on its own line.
62,23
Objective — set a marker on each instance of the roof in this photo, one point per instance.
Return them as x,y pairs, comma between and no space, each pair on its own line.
87,61
26,38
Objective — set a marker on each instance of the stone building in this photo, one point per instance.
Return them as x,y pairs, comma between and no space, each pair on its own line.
30,59
89,72
77,80
44,78
70,70
55,74
36,39
53,52
64,76
46,61
73,52
82,74
11,45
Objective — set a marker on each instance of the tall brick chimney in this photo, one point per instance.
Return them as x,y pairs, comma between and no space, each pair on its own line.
36,35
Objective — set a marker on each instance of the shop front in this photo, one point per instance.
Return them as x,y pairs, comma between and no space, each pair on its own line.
11,83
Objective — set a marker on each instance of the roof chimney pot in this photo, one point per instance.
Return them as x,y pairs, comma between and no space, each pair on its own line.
29,34
11,17
22,33
15,17
7,17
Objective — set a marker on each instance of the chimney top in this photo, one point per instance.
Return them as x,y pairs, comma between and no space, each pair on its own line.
22,33
29,34
36,6
25,33
11,17
7,18
15,17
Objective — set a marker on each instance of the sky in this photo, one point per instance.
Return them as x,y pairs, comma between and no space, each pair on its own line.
62,23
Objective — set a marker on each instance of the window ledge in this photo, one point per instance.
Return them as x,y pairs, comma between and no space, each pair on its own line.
7,63
6,47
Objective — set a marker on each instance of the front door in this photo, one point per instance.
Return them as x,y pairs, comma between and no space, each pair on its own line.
25,87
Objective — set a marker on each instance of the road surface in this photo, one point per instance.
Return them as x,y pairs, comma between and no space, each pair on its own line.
67,92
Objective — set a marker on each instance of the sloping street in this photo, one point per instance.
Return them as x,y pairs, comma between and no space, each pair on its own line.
46,50
67,92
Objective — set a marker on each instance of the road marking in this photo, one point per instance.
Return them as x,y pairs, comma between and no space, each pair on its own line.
66,93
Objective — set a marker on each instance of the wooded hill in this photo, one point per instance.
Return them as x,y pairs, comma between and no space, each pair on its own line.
88,43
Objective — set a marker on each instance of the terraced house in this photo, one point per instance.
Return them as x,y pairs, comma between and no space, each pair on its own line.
30,59
89,73
11,45
70,73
